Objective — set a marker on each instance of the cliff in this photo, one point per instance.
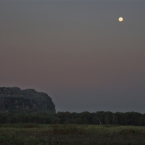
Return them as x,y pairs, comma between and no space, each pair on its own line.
16,100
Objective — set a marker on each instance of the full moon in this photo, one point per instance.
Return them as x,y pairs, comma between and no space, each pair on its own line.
120,19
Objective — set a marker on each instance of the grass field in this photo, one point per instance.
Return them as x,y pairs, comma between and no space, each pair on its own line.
39,134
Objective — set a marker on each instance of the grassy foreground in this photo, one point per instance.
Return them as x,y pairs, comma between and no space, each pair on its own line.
38,134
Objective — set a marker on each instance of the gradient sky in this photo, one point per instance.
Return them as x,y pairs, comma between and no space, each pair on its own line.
76,51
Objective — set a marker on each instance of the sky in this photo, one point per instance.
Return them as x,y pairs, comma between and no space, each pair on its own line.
76,51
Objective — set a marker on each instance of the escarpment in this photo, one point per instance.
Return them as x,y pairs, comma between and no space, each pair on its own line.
13,99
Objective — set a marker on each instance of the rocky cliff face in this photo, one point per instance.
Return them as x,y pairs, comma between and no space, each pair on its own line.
16,100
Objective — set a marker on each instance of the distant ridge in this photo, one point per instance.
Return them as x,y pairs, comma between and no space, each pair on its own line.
13,99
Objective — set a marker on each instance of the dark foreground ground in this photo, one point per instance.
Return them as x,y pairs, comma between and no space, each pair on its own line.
38,134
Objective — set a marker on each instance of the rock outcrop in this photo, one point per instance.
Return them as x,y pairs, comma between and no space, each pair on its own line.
13,99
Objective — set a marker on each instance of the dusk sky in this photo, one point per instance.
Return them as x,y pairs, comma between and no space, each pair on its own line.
76,51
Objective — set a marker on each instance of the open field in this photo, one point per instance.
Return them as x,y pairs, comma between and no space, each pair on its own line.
39,134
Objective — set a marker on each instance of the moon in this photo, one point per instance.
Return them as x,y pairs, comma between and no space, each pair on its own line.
120,19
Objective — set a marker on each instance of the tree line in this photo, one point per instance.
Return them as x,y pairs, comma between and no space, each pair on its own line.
98,118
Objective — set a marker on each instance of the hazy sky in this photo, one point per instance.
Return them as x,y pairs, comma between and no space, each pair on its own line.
76,51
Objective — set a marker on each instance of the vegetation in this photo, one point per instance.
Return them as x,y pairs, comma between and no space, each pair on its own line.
63,128
39,134
28,117
96,118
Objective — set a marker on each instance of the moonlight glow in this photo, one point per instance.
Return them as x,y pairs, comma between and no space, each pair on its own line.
120,19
